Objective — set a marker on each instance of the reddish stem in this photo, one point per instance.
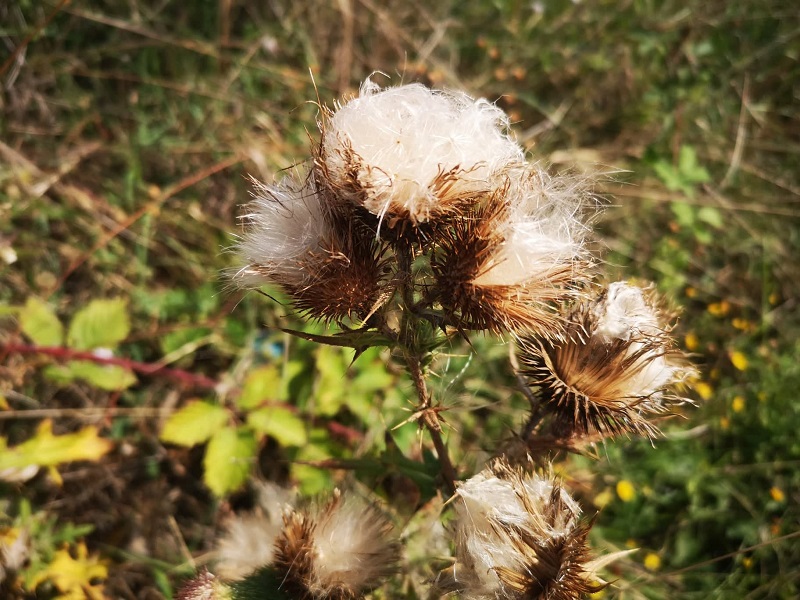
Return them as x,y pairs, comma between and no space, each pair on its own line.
62,353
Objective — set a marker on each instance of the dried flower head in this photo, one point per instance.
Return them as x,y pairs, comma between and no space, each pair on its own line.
512,259
518,536
248,543
411,153
337,550
204,586
293,238
614,368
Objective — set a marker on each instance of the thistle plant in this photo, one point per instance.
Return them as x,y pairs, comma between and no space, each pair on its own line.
419,222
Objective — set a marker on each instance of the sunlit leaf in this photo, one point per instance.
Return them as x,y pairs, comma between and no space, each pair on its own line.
40,323
228,460
194,424
261,385
76,578
280,423
102,324
106,377
46,450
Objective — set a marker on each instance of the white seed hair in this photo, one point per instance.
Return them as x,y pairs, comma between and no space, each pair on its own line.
485,506
248,543
353,547
406,136
284,223
542,233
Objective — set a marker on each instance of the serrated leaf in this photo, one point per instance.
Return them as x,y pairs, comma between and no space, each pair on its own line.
47,450
75,577
228,459
280,423
195,423
106,377
40,323
262,384
102,324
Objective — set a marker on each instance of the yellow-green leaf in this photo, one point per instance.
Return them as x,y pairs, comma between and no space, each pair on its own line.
106,377
280,423
46,450
194,424
75,577
40,323
261,384
228,459
102,324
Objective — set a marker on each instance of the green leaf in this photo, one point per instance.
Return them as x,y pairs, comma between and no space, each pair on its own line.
331,393
711,215
194,424
102,324
280,423
262,384
684,213
40,323
47,450
106,377
689,168
228,459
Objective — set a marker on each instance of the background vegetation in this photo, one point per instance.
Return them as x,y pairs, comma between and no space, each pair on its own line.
127,131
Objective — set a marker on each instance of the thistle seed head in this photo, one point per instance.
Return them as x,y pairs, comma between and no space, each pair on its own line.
518,535
614,369
337,550
409,153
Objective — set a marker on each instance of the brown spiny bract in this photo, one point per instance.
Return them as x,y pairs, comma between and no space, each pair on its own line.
338,550
614,368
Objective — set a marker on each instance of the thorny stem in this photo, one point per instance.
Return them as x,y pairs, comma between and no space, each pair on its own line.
431,422
427,412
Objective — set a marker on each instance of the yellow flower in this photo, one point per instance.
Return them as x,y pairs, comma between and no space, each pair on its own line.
625,490
724,423
691,292
652,562
777,494
747,562
603,498
691,341
739,360
737,404
719,309
704,390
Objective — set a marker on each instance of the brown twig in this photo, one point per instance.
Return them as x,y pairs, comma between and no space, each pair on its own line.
29,38
62,353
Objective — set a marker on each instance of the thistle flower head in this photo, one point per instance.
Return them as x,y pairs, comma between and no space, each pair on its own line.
612,370
518,535
411,153
337,550
294,238
513,258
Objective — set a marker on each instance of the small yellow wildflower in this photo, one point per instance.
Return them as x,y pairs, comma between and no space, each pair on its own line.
737,404
603,498
777,494
713,374
691,292
598,595
704,390
774,298
741,324
724,423
625,490
652,562
747,562
691,341
719,309
739,360
630,543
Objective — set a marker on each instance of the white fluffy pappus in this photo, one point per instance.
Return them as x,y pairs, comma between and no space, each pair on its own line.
285,223
543,232
630,313
496,508
248,543
412,152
